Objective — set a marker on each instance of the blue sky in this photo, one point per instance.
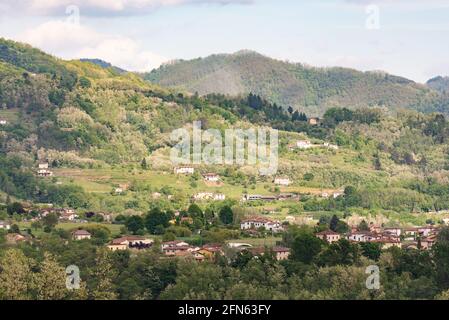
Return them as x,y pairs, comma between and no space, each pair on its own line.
407,38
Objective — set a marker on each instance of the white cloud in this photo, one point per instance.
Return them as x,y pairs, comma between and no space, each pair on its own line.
74,41
102,7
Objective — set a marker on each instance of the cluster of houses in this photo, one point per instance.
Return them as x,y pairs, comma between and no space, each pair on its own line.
43,170
307,144
414,238
210,251
204,196
256,223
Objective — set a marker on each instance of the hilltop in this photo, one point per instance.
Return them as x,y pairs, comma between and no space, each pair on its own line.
306,88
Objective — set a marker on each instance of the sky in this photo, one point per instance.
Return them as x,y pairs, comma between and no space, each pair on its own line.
408,38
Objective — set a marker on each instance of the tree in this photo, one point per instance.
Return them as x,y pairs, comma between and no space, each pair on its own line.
226,215
50,282
15,207
371,250
195,211
104,276
339,253
306,247
50,221
135,224
15,276
144,164
156,221
363,226
334,223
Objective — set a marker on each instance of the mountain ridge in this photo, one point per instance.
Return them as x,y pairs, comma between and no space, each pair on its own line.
306,88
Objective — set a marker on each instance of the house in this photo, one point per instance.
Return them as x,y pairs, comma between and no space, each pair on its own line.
13,238
177,250
118,190
44,173
5,225
328,236
410,234
67,215
201,196
281,253
363,236
211,177
210,251
330,146
428,242
393,231
81,235
3,122
426,231
282,181
176,243
389,243
314,121
184,170
259,222
43,165
130,242
304,144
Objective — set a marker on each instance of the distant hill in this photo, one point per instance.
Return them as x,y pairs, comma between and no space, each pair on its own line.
309,89
104,65
439,83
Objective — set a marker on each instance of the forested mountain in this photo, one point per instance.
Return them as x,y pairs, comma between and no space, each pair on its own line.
305,88
104,64
439,83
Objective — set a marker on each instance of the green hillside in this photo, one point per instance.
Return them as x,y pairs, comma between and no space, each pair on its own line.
100,129
306,88
439,83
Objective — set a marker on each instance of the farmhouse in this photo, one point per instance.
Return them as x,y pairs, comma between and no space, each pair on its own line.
211,177
259,222
5,225
3,122
393,231
281,253
184,170
304,144
68,215
362,236
176,243
43,165
328,236
282,181
130,242
44,173
201,196
81,235
314,121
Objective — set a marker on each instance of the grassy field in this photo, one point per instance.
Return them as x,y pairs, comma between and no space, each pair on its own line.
10,115
267,242
114,228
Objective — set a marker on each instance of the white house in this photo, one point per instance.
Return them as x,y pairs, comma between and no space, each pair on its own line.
44,173
330,146
202,196
328,236
5,225
3,122
304,144
126,242
282,181
81,235
176,243
43,165
259,222
393,231
362,236
211,177
184,170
